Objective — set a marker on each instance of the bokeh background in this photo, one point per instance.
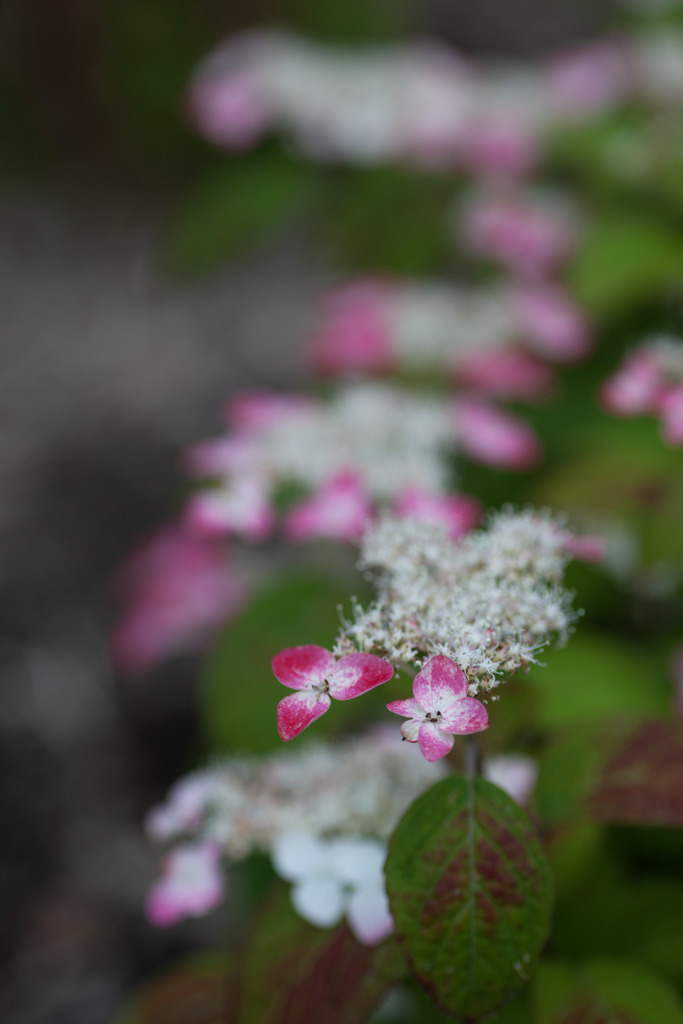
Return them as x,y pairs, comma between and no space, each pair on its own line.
127,317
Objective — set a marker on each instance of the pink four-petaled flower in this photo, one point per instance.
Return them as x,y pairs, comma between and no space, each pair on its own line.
318,676
439,708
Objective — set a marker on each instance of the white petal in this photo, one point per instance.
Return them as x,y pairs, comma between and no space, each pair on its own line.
357,862
298,855
368,915
320,901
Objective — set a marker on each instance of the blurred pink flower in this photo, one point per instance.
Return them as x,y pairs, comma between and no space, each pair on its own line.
318,676
636,386
506,373
496,438
499,148
240,506
340,510
439,709
550,321
355,336
177,588
257,410
191,884
457,512
514,773
527,237
587,548
671,415
591,79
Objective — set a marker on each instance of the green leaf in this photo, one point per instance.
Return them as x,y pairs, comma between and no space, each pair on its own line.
294,973
199,990
239,691
240,203
641,783
604,992
470,890
595,678
626,259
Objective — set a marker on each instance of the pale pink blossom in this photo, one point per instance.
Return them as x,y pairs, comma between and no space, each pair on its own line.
253,411
318,676
184,809
340,510
499,147
240,505
589,548
459,513
514,773
496,438
177,589
439,709
219,457
191,884
636,386
336,877
527,237
229,109
355,336
506,373
671,415
551,322
591,79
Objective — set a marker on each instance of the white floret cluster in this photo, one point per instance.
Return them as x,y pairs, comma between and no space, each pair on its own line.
391,437
490,600
357,788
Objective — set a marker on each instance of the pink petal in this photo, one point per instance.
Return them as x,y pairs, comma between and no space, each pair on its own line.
339,510
410,730
457,512
356,673
506,373
465,716
434,744
296,712
408,708
495,438
354,336
302,667
439,684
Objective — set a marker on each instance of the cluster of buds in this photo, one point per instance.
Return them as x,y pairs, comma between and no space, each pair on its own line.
418,103
650,380
372,446
493,341
489,601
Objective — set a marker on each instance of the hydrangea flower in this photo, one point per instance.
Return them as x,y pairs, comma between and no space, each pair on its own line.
191,884
318,676
440,708
336,877
340,509
650,380
177,589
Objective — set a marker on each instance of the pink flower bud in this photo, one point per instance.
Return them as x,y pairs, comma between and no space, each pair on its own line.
495,438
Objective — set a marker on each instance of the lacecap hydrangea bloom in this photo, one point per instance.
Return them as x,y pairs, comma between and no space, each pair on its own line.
323,812
490,601
419,103
494,341
371,446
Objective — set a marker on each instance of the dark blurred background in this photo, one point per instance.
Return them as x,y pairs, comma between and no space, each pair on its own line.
112,357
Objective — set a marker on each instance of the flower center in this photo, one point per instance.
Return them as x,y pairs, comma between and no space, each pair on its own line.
432,716
321,688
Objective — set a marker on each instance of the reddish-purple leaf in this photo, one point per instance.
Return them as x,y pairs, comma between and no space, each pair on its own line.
641,782
294,973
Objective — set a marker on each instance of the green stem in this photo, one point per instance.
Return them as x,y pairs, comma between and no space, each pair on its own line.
472,757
